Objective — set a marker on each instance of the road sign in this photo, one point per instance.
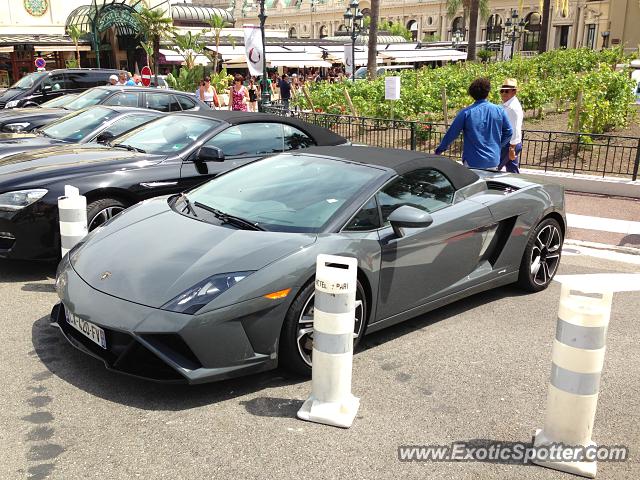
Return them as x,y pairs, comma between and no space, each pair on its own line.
145,73
40,63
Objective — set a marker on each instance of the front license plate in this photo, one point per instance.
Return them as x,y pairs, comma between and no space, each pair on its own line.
88,329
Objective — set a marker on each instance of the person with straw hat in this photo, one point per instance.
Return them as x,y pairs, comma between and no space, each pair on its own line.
509,155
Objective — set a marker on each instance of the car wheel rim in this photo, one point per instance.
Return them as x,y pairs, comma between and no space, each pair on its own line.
545,255
103,216
304,336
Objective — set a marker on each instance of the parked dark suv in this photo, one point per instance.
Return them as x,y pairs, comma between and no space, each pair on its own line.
38,87
162,100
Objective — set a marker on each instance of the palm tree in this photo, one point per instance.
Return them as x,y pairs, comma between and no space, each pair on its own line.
373,40
544,27
190,46
154,26
473,28
454,5
74,33
217,24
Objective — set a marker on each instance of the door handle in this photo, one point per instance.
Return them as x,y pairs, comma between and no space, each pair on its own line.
158,184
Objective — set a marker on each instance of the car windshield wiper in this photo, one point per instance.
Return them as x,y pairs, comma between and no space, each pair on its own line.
128,147
188,204
230,219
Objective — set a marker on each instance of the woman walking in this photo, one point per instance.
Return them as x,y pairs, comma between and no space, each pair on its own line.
238,95
208,93
254,94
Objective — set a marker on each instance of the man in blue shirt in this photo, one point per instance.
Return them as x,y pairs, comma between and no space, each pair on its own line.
485,127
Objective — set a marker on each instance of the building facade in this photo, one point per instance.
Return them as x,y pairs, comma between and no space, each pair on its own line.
593,24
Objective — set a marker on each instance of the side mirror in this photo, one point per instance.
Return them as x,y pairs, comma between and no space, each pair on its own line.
105,137
210,154
46,88
409,217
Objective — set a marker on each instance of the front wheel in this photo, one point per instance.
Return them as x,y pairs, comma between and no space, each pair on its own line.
101,211
296,340
541,256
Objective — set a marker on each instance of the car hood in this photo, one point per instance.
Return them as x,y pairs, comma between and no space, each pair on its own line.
9,114
41,166
162,253
11,143
10,94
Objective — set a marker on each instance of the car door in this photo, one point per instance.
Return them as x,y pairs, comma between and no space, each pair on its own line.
428,263
162,102
240,144
53,86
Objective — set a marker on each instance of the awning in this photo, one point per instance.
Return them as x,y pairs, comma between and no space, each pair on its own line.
60,48
298,63
185,13
172,56
423,55
6,49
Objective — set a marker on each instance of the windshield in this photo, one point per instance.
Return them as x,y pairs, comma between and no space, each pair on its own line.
76,126
168,135
88,98
58,101
28,81
286,193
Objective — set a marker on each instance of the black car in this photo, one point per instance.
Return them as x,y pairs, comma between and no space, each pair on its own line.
162,100
165,156
94,124
38,87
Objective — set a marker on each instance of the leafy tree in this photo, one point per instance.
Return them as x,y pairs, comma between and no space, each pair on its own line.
217,24
154,26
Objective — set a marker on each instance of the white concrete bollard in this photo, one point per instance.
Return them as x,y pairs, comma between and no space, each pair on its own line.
577,361
331,401
72,211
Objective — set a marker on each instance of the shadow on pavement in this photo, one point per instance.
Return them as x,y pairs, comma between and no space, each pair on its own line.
90,375
23,271
437,315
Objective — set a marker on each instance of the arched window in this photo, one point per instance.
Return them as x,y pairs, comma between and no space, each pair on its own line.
494,28
293,33
412,26
531,37
458,24
323,31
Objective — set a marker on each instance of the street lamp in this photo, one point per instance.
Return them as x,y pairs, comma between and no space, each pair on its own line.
456,38
265,99
513,29
354,21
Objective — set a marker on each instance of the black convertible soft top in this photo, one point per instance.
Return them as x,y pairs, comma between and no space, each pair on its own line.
401,161
321,135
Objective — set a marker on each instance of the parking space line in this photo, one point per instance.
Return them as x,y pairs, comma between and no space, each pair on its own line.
603,224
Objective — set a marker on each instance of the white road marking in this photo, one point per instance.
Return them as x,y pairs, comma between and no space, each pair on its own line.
571,250
603,224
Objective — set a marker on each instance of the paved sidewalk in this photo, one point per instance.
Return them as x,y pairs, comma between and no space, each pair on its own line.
601,219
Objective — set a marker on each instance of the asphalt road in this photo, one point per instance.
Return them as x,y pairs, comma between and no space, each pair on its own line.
476,370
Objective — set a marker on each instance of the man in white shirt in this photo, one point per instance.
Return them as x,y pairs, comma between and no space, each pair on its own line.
510,154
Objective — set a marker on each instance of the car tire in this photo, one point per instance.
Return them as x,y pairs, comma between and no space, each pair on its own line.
294,347
102,210
541,256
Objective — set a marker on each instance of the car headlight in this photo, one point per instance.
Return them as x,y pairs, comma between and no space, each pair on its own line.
21,198
12,103
196,297
15,127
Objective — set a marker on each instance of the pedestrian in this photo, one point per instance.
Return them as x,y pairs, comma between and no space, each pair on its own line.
510,154
130,81
485,128
113,80
238,95
208,93
285,90
254,94
122,79
200,85
137,80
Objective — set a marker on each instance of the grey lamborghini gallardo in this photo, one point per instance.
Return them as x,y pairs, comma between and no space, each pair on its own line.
218,281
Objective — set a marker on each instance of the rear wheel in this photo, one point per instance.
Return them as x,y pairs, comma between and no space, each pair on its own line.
100,211
541,256
296,340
